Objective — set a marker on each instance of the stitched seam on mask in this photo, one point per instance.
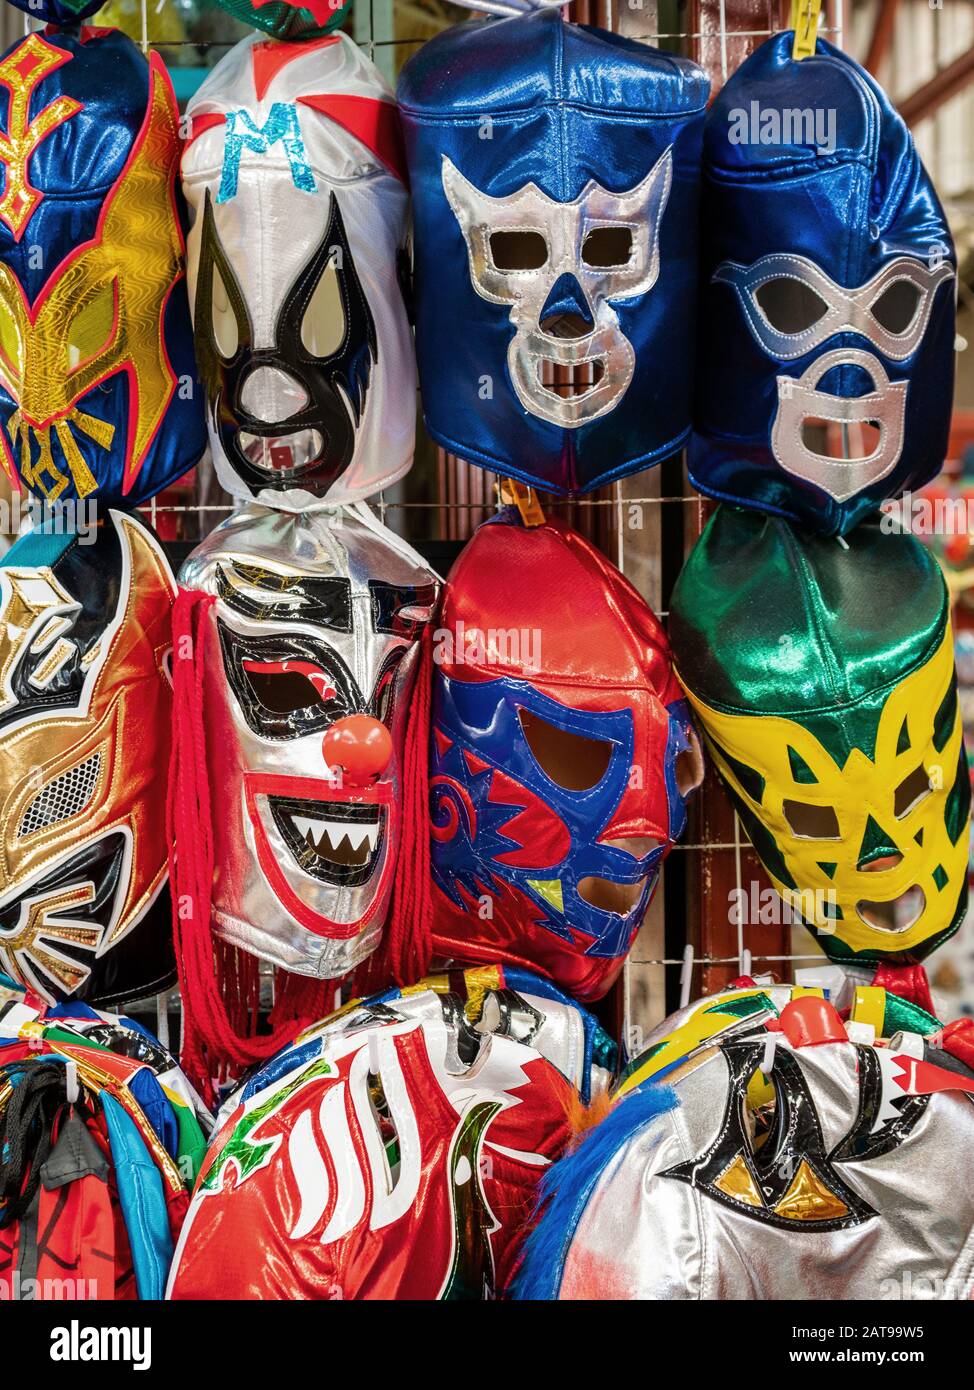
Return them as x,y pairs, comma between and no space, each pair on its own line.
696,1197
470,452
791,169
516,114
893,684
735,497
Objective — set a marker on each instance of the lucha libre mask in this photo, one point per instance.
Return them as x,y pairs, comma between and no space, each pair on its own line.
561,756
295,178
283,19
555,246
832,715
98,396
84,727
827,1170
308,639
827,326
366,1145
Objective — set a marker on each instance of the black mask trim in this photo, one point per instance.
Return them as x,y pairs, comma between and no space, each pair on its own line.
325,602
142,963
336,386
314,717
283,809
390,603
796,1139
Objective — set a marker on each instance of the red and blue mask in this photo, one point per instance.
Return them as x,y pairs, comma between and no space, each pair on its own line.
561,753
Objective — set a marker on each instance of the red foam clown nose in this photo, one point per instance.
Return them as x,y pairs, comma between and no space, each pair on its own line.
809,1020
360,745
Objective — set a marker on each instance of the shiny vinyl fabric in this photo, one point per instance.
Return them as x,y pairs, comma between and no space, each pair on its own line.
283,19
103,1179
832,1175
562,756
495,1001
554,170
831,713
296,183
313,635
85,640
827,282
98,390
389,1154
66,12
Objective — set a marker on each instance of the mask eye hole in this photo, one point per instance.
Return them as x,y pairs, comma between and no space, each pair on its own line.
571,760
283,687
811,822
323,324
607,246
911,792
689,766
897,306
789,305
92,328
518,250
608,896
226,335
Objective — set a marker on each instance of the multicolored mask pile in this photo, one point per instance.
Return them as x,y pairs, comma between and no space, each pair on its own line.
366,786
101,1138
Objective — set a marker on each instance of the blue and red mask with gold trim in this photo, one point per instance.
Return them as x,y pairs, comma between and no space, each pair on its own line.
561,757
98,390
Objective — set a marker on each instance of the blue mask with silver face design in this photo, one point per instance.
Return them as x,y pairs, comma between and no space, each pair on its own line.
826,339
554,171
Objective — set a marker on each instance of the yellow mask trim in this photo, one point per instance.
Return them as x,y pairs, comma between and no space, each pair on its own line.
21,72
808,1199
738,1182
712,1016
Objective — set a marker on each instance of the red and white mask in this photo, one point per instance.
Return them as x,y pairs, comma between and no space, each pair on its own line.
371,1162
294,176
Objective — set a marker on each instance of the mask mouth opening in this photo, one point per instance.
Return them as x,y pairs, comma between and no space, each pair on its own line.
581,379
897,914
281,453
334,842
844,443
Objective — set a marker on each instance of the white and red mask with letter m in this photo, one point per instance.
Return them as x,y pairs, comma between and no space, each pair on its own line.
295,660
294,176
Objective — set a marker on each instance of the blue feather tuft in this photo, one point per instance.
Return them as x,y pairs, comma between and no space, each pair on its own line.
568,1185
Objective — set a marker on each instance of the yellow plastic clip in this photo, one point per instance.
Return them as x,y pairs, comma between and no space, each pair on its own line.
804,21
869,1006
514,494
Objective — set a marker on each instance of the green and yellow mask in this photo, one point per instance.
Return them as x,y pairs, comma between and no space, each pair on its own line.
824,680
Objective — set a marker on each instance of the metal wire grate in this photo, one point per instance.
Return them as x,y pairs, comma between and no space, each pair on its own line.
645,523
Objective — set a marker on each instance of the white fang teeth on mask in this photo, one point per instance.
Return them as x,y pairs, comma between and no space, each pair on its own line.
326,836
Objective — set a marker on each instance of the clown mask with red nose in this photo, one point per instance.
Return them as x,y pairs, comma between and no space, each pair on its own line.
297,651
